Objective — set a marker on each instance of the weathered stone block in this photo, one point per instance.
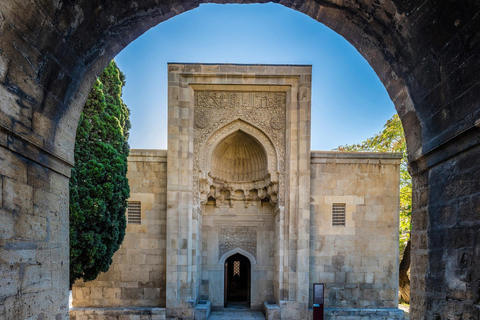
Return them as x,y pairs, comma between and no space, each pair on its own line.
36,278
203,309
17,196
31,227
6,223
13,167
9,282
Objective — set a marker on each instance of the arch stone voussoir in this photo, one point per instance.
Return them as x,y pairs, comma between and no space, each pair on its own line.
226,255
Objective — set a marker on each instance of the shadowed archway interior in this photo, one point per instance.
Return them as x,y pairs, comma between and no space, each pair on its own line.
237,281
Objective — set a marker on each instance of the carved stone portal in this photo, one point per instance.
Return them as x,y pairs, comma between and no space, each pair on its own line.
239,144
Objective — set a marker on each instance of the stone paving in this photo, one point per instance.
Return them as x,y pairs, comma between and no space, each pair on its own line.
406,309
236,315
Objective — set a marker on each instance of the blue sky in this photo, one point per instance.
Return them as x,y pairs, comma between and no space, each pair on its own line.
349,103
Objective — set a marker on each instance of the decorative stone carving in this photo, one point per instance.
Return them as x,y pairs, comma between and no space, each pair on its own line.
259,114
211,188
267,184
244,238
277,123
234,100
239,157
201,119
233,127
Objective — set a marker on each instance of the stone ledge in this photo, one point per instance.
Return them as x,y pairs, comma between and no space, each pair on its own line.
271,311
22,146
237,64
142,155
203,309
115,313
363,314
355,155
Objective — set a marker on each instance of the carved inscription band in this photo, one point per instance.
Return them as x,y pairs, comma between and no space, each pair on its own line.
227,99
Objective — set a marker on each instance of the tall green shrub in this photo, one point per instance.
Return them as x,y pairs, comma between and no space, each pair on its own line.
99,186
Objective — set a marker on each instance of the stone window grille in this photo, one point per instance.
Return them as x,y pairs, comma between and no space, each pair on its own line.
338,214
236,268
134,212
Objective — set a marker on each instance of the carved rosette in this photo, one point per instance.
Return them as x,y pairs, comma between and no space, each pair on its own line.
201,119
214,110
277,123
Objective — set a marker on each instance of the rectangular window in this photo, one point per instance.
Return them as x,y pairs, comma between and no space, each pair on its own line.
134,212
338,214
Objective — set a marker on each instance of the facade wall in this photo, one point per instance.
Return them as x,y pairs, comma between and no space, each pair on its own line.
241,179
207,103
137,274
357,262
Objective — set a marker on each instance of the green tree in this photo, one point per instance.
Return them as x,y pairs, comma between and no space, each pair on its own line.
392,139
98,185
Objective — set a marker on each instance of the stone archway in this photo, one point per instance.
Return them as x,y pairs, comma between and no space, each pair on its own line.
260,138
425,53
239,157
251,263
237,278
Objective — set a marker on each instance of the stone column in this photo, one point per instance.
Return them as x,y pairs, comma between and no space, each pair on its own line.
303,244
180,289
297,195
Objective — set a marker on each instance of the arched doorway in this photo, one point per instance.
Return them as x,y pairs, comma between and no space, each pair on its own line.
237,285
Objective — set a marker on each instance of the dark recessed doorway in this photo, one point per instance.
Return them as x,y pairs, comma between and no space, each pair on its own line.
237,282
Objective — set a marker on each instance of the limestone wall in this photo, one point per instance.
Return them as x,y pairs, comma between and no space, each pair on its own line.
358,262
33,235
207,104
137,275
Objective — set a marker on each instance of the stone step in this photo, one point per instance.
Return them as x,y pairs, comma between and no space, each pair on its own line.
236,315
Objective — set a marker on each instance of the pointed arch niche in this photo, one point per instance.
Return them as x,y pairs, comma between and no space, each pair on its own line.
238,161
239,158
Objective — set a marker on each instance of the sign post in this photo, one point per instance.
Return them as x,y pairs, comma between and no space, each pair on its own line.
318,291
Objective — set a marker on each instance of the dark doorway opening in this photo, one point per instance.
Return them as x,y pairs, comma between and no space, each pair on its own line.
237,282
